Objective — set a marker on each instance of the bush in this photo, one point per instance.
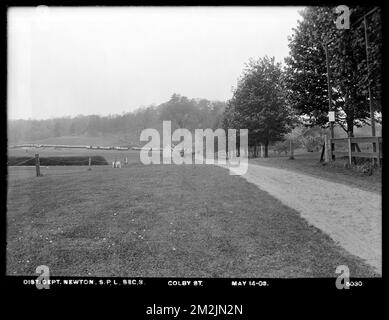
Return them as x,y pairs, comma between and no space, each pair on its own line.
361,165
312,144
281,146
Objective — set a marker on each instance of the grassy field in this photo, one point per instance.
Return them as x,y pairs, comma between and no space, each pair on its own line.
159,220
109,155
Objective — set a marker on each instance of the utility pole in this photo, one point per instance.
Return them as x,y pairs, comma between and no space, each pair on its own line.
330,107
372,120
364,19
373,131
368,79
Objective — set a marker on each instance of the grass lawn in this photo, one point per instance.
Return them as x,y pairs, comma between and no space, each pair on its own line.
308,163
160,220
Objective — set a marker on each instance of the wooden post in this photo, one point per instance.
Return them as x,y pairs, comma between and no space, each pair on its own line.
349,151
291,156
377,151
326,149
37,165
332,146
331,149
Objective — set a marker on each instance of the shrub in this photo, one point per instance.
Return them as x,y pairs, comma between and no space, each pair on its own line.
281,146
312,143
361,165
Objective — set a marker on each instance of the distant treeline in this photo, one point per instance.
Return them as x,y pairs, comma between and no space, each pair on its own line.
182,111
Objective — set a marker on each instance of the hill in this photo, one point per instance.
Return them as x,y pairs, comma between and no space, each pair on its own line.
122,129
103,140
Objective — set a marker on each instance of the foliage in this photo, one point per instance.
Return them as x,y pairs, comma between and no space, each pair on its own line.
281,147
306,72
312,143
192,113
183,112
258,103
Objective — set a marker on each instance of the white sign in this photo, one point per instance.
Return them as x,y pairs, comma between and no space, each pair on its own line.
331,116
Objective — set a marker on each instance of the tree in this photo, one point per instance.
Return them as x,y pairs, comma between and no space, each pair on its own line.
306,72
72,129
181,111
192,113
57,129
258,103
94,125
184,112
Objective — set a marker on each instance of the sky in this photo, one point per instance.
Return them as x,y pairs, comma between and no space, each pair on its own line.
106,60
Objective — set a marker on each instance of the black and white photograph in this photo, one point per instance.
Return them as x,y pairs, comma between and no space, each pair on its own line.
190,144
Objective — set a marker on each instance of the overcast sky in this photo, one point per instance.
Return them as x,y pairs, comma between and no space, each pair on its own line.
70,61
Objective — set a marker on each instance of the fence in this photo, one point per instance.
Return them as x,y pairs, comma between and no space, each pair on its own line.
57,161
65,146
353,150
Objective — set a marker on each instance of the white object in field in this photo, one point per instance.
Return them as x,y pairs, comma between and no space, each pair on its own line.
116,164
331,116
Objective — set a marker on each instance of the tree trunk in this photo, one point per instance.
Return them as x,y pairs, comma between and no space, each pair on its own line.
350,132
354,146
238,147
227,157
350,127
291,156
322,153
266,148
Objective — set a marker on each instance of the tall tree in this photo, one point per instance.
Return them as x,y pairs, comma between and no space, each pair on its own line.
258,103
306,72
181,111
57,129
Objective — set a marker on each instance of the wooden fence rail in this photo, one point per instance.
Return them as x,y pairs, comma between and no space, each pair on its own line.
351,144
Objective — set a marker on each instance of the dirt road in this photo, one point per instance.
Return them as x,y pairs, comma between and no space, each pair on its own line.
350,216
